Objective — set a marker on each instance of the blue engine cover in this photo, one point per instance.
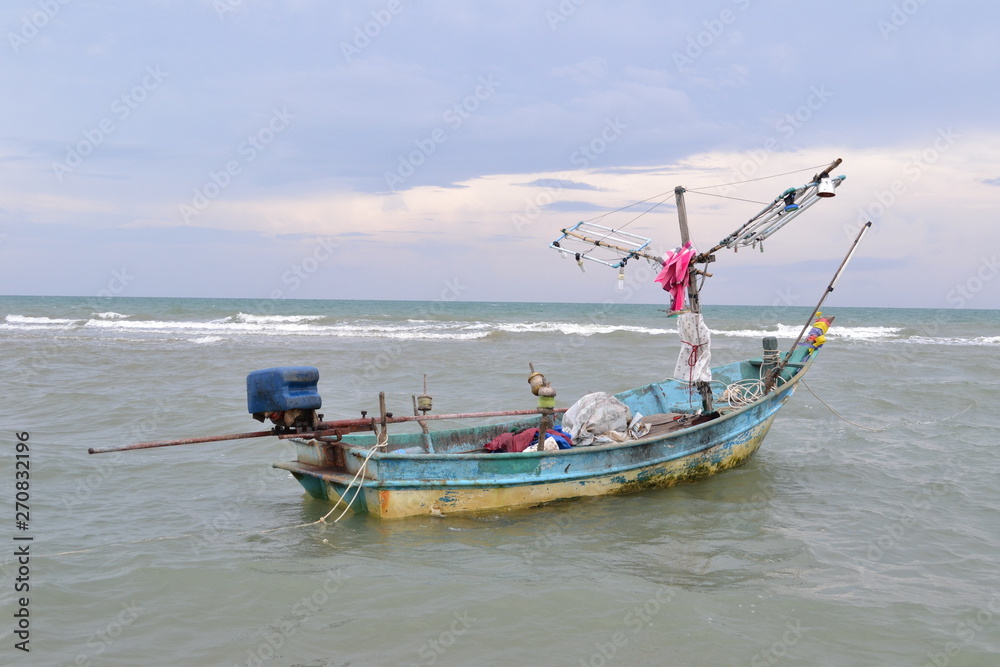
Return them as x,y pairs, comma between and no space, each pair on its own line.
284,388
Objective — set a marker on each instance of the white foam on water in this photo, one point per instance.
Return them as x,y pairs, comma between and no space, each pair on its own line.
207,340
976,341
27,322
279,319
792,331
573,328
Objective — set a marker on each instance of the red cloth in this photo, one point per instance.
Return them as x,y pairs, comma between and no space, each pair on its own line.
675,275
517,442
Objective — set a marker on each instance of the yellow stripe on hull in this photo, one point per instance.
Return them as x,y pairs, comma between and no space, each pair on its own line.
398,503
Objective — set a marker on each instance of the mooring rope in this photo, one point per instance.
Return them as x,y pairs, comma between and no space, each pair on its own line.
867,428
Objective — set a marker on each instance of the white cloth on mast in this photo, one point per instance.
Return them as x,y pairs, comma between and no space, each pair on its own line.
693,362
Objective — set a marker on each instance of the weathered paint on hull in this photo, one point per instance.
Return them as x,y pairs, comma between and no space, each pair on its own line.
395,485
402,502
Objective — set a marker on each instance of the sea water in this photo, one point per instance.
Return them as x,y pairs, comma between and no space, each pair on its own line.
864,532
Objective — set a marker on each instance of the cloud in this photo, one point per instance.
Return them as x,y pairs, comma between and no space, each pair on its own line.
450,129
557,184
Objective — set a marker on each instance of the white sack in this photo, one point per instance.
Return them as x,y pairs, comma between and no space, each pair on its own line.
693,362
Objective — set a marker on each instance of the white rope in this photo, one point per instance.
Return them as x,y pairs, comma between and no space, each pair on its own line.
381,441
743,392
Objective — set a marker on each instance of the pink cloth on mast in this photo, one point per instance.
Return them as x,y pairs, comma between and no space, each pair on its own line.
675,276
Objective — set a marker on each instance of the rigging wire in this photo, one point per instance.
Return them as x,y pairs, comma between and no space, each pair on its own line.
762,178
712,194
630,221
667,194
641,201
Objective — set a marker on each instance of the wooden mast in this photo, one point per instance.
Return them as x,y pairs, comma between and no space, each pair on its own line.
704,388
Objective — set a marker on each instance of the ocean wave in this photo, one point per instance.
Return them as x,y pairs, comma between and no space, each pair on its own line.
975,341
247,318
207,340
429,329
792,331
286,326
411,329
864,333
573,328
39,321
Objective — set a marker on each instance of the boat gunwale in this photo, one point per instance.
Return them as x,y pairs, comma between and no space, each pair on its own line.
333,476
362,451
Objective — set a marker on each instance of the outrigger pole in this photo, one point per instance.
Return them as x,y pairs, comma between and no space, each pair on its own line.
772,377
334,429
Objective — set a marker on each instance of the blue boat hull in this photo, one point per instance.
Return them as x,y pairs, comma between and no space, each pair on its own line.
459,476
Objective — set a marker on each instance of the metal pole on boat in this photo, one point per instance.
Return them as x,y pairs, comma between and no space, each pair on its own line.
324,429
704,388
182,441
772,377
423,404
383,421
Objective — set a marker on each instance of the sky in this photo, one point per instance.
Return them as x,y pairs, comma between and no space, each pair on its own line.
403,149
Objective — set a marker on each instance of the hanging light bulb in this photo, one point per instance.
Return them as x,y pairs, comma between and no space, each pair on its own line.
825,187
579,262
621,278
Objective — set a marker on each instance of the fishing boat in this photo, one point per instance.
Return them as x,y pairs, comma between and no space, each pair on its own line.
448,471
683,429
